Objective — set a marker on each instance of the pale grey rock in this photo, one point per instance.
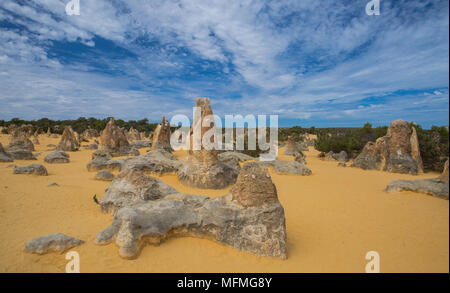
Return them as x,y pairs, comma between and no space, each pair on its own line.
58,157
433,187
52,243
52,184
285,167
21,155
35,169
250,218
130,186
140,144
4,157
104,176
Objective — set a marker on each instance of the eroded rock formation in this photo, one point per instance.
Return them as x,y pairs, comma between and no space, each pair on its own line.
250,218
69,141
161,136
202,169
396,152
294,148
4,157
113,140
35,169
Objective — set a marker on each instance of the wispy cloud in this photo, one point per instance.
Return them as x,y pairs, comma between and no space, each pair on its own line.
311,62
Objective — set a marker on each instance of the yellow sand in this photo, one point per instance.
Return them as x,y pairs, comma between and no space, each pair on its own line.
333,218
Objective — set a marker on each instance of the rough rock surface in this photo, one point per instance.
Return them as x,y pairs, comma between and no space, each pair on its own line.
342,164
202,169
286,167
301,159
436,186
4,157
113,140
340,157
36,169
396,152
294,148
156,161
133,134
161,136
21,155
241,157
57,157
104,176
90,133
20,141
250,218
35,140
101,160
132,186
140,144
92,146
52,243
69,141
444,175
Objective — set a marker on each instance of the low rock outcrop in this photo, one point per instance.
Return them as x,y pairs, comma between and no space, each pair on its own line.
436,186
52,243
397,152
133,134
20,140
21,155
58,157
286,167
35,169
250,218
69,141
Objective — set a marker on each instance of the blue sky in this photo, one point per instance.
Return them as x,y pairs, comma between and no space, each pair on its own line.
321,63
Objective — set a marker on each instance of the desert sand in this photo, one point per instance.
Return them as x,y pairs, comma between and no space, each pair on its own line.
333,217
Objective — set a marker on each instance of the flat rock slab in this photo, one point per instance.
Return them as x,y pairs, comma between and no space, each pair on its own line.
52,243
434,187
35,169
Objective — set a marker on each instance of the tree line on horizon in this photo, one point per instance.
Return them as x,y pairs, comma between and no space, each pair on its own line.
433,142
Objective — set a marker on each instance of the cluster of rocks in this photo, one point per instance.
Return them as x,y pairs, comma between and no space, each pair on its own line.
438,187
20,146
341,157
133,134
146,210
294,148
396,152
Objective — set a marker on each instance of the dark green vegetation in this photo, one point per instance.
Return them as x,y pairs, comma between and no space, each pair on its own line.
433,143
351,140
80,125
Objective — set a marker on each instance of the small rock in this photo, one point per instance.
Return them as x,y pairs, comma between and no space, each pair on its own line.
52,184
104,176
52,243
57,157
36,169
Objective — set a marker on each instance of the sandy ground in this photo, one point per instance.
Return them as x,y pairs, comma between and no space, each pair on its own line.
334,217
